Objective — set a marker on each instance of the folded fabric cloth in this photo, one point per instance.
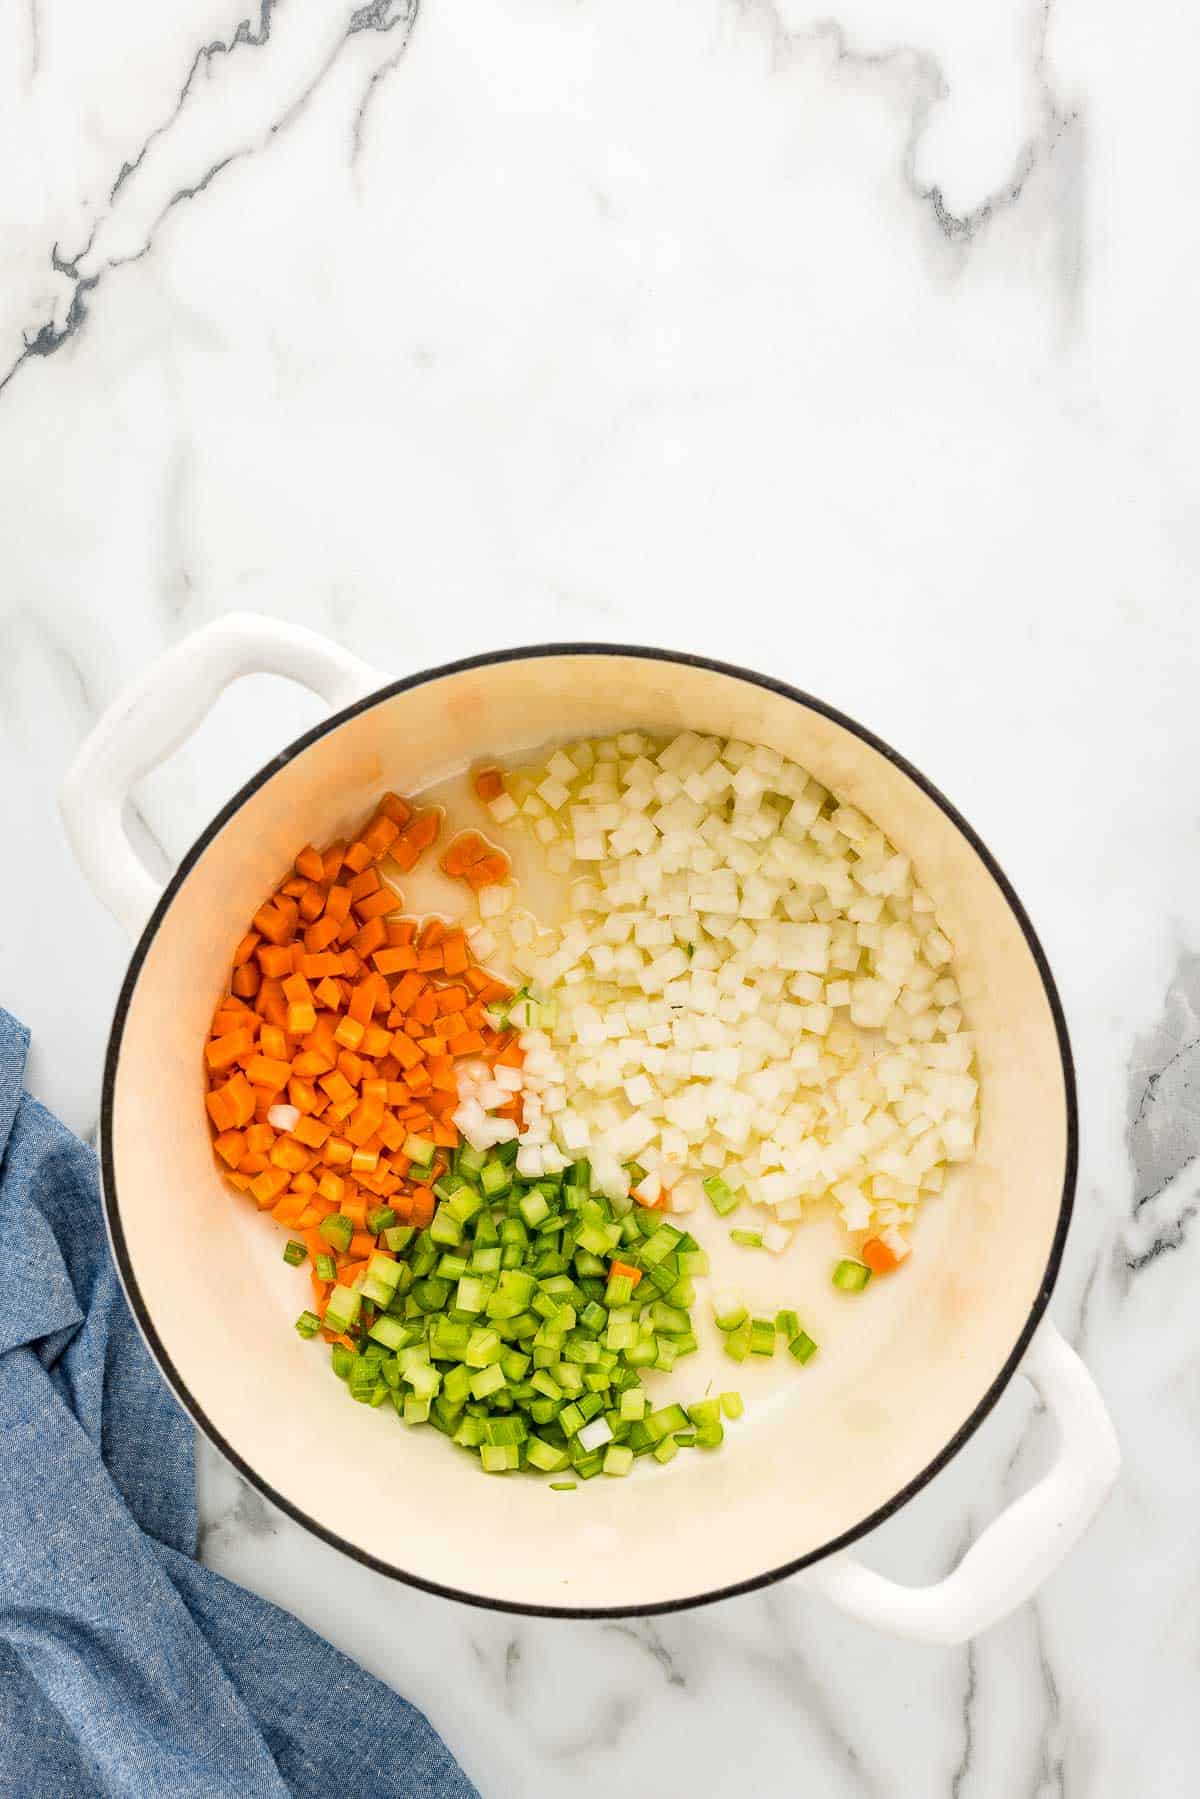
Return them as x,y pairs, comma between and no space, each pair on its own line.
125,1666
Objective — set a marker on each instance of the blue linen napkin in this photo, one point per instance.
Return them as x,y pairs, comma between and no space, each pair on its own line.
125,1666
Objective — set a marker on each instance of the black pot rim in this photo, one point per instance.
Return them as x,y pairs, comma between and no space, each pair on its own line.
179,1387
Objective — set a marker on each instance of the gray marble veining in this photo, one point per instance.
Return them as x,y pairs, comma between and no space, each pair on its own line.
851,345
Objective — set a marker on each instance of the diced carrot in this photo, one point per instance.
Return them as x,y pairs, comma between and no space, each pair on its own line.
311,1131
220,1109
331,860
301,1019
242,1097
362,1004
425,1009
408,990
231,1147
317,940
310,864
223,1052
416,836
423,1206
289,1208
246,980
337,1153
268,1071
454,953
302,1094
272,1005
880,1259
273,923
312,903
352,1066
393,807
337,904
267,1186
470,1043
364,1120
632,1275
490,871
336,1085
489,784
401,931
357,857
273,1042
287,1153
379,836
372,936
331,1186
376,905
246,948
463,851
392,1133
395,960
349,1032
376,1040
355,1209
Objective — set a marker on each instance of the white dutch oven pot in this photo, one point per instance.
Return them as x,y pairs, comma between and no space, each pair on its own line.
906,1373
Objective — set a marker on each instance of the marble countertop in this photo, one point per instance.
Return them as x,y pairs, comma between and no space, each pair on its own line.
849,347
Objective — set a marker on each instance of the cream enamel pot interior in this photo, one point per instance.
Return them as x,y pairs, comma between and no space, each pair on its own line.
905,1374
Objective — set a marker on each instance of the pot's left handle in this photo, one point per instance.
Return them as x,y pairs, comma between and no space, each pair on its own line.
154,716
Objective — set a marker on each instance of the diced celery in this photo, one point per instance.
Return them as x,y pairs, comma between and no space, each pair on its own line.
851,1277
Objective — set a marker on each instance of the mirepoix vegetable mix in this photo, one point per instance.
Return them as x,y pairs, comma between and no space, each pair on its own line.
477,1133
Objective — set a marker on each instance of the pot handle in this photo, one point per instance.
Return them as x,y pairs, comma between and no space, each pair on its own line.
1020,1548
154,716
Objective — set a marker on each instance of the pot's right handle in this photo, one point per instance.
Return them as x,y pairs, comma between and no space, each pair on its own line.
1020,1548
154,716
